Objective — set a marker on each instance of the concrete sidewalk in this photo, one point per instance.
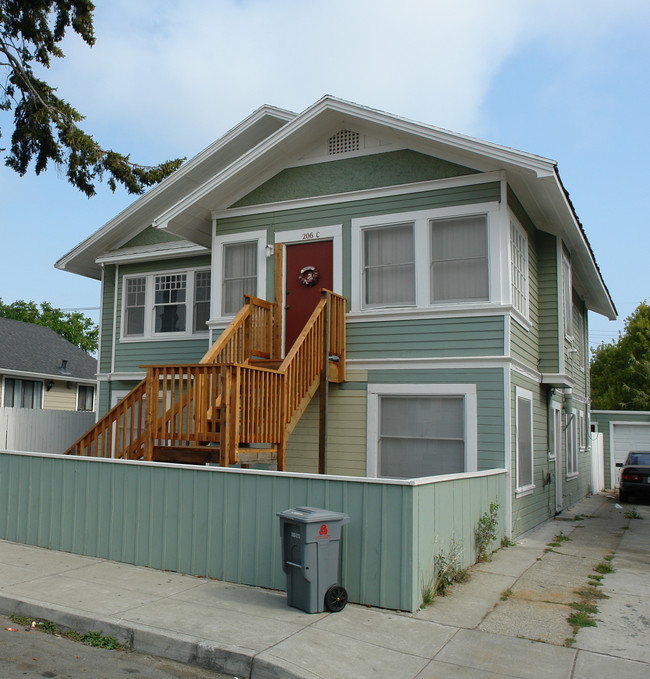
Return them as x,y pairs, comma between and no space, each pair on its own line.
508,620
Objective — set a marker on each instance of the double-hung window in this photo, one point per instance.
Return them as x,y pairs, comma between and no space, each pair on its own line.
239,275
389,265
519,268
85,397
524,440
427,259
162,304
459,259
169,302
135,304
23,393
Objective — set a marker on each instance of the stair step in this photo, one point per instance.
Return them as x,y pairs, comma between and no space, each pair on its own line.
186,454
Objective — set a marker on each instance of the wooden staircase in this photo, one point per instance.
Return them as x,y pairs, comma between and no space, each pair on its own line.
238,405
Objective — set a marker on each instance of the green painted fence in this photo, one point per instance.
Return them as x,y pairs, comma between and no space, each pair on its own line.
222,523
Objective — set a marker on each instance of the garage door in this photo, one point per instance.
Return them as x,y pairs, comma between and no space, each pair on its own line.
627,437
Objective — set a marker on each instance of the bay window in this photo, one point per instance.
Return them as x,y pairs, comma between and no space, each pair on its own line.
427,259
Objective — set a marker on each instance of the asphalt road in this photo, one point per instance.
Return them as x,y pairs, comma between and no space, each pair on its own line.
26,654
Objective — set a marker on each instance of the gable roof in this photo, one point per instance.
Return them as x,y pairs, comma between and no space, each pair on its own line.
142,212
188,213
27,348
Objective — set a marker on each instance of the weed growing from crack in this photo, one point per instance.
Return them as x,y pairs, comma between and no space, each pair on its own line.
96,639
446,571
506,595
486,531
632,514
604,567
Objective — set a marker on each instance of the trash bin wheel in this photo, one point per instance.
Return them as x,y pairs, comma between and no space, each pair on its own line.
335,598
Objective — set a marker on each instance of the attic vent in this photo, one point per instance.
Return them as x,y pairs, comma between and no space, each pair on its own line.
343,142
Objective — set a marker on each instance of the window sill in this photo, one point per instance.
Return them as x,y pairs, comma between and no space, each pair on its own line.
415,312
572,476
523,492
521,320
165,338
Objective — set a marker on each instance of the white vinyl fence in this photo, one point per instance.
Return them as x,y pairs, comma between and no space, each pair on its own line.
597,462
42,431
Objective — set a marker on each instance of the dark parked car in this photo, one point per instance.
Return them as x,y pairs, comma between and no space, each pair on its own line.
635,476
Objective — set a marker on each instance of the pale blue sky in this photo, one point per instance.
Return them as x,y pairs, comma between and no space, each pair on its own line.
564,80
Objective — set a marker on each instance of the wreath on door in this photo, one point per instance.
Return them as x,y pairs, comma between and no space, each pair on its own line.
308,276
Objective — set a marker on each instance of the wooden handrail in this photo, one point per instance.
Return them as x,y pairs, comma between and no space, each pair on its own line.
119,433
224,400
250,333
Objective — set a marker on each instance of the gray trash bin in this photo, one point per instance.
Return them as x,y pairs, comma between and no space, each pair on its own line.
310,558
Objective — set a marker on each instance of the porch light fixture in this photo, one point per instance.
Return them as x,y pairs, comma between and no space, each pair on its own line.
269,250
49,385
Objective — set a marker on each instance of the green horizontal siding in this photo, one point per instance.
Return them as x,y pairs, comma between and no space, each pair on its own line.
343,213
352,174
530,510
548,281
431,337
106,319
130,355
222,523
489,397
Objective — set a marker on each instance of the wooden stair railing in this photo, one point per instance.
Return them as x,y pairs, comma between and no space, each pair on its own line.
225,409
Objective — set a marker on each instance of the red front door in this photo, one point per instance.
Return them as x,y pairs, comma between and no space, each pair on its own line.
308,269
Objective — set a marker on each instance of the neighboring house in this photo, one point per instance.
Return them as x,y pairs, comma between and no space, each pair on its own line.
623,431
42,370
467,274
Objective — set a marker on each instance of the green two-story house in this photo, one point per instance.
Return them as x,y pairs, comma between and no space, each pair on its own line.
466,274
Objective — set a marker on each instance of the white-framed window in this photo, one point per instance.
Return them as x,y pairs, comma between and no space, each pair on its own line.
165,304
238,269
433,259
85,397
555,444
239,278
389,265
170,307
519,267
567,295
421,429
582,430
459,259
524,440
19,393
572,444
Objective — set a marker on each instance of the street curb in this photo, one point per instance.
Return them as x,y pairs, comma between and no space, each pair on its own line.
182,648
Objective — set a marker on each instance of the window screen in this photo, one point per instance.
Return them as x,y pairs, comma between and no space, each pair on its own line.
389,265
459,259
421,436
239,275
